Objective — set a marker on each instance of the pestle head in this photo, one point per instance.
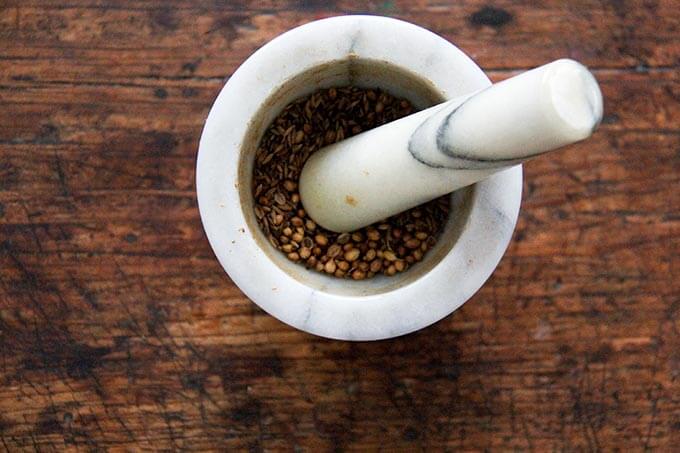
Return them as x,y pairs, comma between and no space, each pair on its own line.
402,164
575,97
537,111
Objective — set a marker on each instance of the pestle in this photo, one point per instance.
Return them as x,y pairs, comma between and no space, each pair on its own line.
384,171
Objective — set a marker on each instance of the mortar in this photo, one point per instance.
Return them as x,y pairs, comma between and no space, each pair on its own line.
366,51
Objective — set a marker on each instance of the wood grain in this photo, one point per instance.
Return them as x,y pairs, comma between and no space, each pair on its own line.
120,332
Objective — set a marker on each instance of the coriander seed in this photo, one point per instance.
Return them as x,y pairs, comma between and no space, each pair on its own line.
307,124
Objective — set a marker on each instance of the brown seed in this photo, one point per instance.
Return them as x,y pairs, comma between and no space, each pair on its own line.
279,199
358,275
330,267
289,185
373,235
352,255
302,128
391,270
389,255
412,243
334,250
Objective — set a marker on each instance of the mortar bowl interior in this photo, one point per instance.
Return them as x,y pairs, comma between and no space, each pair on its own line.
364,73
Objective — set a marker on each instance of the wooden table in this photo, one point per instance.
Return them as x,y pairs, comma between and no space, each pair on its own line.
120,331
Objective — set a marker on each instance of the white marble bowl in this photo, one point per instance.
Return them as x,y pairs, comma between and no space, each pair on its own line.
370,51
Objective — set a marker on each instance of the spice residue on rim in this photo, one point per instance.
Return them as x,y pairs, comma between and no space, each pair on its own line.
306,125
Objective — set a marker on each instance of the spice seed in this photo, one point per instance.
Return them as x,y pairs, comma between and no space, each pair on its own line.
352,255
289,185
305,125
330,267
334,250
389,255
413,243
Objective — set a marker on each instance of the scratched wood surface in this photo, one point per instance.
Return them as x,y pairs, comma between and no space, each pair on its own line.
120,331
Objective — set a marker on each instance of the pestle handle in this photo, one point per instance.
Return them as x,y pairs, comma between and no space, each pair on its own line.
534,112
384,171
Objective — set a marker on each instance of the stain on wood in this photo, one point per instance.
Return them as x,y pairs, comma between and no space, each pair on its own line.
120,331
490,16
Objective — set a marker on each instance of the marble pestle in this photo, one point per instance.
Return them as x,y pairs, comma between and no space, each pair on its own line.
384,171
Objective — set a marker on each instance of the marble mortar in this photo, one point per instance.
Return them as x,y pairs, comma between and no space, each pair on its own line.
367,51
